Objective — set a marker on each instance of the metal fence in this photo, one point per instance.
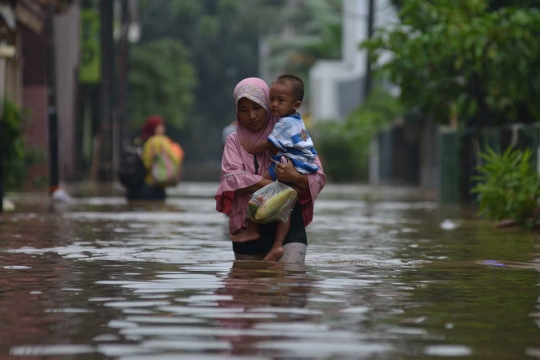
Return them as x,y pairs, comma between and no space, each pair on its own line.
449,155
475,141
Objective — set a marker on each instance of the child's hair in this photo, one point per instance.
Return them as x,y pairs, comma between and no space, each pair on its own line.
296,83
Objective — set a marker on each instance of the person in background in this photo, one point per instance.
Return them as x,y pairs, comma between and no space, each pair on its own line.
228,130
153,141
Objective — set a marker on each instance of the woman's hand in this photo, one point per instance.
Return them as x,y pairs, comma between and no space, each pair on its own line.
251,189
285,172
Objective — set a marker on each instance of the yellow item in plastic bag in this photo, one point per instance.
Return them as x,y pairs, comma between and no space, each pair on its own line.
273,202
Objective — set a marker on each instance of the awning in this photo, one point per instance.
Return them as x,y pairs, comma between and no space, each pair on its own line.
7,14
30,15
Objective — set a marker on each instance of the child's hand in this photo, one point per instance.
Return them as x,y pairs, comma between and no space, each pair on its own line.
247,145
258,200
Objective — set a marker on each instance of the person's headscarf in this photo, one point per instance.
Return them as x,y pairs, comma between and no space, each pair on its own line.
149,126
257,91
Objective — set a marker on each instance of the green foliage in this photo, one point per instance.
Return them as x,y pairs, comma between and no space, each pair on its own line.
14,154
458,52
336,150
344,146
223,37
509,187
304,33
161,79
494,4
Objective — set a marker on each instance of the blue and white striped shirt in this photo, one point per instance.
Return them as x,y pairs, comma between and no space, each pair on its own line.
292,140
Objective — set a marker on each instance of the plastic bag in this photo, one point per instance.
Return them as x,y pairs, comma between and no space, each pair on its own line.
273,202
164,171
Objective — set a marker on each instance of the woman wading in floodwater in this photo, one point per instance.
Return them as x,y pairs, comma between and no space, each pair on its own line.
240,177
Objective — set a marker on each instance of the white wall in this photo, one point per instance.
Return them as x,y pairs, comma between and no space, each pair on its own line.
336,87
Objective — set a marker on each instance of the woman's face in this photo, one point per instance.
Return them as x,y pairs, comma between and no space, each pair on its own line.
160,130
251,115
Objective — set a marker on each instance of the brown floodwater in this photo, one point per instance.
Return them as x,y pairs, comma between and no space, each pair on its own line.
389,274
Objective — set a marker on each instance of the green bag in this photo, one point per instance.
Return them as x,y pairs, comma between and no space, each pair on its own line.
164,171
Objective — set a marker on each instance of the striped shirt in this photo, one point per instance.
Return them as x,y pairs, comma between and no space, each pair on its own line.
292,140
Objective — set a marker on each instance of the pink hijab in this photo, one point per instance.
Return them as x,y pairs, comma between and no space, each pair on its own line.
237,166
257,91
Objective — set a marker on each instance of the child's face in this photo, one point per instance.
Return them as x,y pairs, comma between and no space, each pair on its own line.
282,100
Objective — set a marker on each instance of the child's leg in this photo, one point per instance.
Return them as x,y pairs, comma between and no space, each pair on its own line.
277,249
251,233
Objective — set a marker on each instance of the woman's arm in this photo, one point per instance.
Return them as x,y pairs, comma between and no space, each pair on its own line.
258,148
251,189
286,172
234,176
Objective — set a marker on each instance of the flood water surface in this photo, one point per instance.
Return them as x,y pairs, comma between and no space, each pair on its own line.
385,278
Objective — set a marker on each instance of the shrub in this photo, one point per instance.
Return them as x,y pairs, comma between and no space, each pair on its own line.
14,154
344,146
336,150
508,187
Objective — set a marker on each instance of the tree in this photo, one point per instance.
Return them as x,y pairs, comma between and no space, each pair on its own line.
345,146
161,79
457,53
17,154
223,37
306,32
494,4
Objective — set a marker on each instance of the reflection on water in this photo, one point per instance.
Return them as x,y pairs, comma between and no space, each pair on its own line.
383,280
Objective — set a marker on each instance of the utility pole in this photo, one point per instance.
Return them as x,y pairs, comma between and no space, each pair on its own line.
2,85
107,93
53,116
1,161
370,21
123,62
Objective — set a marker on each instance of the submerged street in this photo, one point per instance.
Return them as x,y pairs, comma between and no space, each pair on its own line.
389,274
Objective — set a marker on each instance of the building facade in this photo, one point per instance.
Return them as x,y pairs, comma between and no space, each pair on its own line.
337,87
26,75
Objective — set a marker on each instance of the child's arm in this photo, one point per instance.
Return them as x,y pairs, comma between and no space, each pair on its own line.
258,148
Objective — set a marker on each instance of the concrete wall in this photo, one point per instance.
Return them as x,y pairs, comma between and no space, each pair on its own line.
37,130
429,157
66,31
34,96
14,66
35,88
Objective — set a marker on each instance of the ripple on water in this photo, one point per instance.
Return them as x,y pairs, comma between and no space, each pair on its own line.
191,345
16,267
448,350
160,319
129,304
162,285
321,350
51,350
191,356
